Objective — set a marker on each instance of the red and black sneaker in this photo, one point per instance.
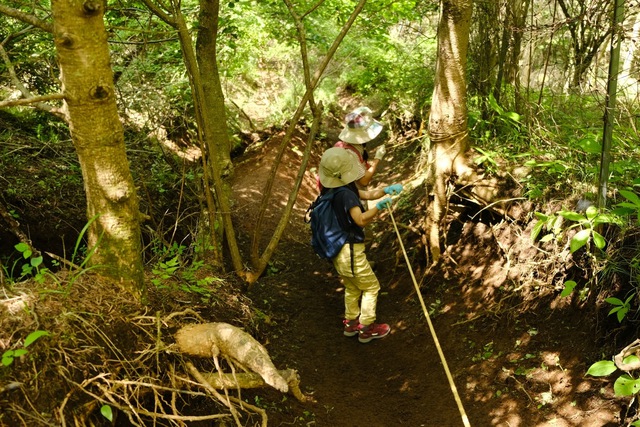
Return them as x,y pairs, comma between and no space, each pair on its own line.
373,331
351,327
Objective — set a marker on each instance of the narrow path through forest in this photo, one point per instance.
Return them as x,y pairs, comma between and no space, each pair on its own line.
512,366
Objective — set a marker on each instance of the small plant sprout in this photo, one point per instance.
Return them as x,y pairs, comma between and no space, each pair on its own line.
10,355
620,308
107,412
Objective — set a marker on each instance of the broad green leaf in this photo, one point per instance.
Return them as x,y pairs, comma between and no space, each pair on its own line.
631,196
569,285
598,239
602,368
7,357
614,301
623,211
21,247
107,412
36,261
590,145
19,352
615,310
494,105
606,219
541,216
34,336
621,313
572,216
591,212
513,116
626,386
631,359
579,240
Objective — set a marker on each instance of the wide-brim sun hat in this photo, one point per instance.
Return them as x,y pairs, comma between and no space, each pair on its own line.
338,168
360,127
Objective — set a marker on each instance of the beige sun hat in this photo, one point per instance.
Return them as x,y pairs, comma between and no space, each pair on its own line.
360,127
338,168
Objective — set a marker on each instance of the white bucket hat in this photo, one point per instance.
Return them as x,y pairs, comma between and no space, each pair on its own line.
360,127
338,168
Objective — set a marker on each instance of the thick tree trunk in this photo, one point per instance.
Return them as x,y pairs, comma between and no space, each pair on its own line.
448,133
98,136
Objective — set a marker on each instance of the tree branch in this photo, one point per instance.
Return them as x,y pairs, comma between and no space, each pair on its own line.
27,18
31,100
28,97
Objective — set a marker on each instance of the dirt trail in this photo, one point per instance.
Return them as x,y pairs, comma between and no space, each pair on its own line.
511,367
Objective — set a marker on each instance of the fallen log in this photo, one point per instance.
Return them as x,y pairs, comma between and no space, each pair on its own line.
250,380
214,339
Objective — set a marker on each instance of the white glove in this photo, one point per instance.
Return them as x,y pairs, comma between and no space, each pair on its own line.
380,152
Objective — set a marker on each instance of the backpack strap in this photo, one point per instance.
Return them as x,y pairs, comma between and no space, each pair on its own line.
350,231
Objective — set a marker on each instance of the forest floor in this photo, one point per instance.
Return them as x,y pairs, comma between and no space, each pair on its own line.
516,350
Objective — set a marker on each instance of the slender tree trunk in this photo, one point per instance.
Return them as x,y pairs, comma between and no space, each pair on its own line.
217,199
448,132
520,18
206,55
98,136
612,88
505,43
216,130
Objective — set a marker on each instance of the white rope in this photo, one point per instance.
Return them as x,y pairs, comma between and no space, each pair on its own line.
465,419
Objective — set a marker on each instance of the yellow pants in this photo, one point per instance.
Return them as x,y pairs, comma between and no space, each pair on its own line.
361,287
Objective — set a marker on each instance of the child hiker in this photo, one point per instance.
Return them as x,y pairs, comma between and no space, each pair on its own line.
338,169
360,128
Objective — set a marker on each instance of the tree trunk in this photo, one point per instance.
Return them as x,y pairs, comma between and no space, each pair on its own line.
448,133
98,136
206,54
216,131
610,104
521,10
216,198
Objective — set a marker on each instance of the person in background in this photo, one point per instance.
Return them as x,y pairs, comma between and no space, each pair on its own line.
360,128
338,169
